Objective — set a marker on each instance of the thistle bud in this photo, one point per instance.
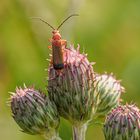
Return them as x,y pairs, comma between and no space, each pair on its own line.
34,113
106,94
123,123
72,88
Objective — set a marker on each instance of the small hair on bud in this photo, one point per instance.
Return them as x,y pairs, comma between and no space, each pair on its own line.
47,78
50,55
48,60
8,102
71,47
111,74
92,63
11,93
78,48
24,85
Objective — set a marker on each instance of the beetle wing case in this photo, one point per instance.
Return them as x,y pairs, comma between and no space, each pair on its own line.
57,57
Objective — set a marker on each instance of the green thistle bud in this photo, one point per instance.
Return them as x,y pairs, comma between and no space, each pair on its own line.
123,123
34,113
106,94
72,88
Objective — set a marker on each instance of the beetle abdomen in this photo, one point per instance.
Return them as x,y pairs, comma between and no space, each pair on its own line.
58,66
58,62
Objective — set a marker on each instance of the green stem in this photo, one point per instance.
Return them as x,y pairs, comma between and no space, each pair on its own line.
79,131
52,136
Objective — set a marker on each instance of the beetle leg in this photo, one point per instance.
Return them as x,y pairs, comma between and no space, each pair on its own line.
50,47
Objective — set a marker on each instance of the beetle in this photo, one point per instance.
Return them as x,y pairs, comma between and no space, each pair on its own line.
57,45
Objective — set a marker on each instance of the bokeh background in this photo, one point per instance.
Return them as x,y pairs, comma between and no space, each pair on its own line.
108,30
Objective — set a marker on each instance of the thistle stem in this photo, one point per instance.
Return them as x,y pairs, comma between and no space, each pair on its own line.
53,136
79,131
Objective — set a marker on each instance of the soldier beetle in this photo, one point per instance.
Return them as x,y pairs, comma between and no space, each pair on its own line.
58,45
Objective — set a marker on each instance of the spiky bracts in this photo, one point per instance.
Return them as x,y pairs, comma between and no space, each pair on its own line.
72,88
106,94
34,113
123,123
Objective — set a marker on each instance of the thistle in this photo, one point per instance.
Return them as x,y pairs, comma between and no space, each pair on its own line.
123,123
34,113
106,94
72,88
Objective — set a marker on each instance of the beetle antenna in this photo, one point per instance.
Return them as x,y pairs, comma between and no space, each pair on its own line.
44,22
66,20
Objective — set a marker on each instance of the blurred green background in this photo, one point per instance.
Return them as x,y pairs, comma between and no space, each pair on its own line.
109,31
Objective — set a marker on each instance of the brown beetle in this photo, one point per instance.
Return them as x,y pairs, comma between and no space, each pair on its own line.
57,45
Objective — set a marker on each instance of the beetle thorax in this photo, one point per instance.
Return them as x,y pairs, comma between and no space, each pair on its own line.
56,35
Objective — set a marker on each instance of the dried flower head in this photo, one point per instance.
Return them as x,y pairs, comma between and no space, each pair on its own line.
123,123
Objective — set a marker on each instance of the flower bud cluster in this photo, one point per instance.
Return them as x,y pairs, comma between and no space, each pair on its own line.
77,94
